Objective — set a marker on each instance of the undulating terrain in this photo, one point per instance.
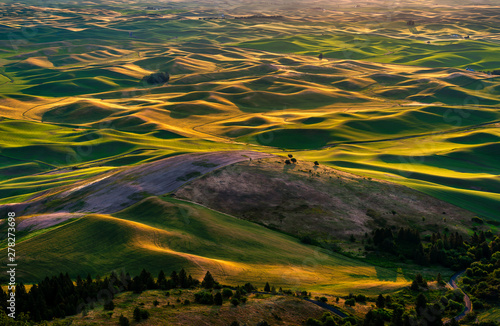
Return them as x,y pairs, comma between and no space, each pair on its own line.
286,135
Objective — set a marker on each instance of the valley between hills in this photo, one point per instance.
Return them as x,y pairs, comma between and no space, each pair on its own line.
295,144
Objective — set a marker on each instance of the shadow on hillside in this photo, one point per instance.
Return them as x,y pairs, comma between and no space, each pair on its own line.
386,274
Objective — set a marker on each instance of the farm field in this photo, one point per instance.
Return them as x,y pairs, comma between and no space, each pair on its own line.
285,135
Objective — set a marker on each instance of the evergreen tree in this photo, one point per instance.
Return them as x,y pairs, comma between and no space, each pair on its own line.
175,279
208,281
421,304
380,301
161,283
267,288
183,279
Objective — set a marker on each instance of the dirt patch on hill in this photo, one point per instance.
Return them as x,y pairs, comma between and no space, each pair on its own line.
306,200
113,191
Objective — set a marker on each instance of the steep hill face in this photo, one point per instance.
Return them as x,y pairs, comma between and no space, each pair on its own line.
304,199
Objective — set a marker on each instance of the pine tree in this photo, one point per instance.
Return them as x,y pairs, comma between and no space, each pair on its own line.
175,279
267,288
421,304
380,301
162,280
208,281
183,279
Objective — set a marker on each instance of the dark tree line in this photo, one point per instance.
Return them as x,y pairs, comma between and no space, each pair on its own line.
59,296
443,249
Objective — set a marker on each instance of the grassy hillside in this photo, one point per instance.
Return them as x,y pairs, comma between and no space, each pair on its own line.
307,200
169,234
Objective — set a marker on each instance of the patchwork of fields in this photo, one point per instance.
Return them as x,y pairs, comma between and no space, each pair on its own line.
415,105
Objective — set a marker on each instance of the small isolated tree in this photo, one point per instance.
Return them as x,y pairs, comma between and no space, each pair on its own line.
320,56
290,155
235,302
316,163
350,302
380,301
157,78
323,299
137,314
267,288
156,303
294,160
287,162
218,299
124,321
208,281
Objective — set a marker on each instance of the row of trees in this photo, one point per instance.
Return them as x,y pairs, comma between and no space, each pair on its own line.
449,250
59,296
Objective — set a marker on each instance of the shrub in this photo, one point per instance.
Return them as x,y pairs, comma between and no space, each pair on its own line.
204,297
140,314
313,322
187,302
227,293
350,302
323,299
123,321
109,305
360,298
218,299
477,220
235,302
156,303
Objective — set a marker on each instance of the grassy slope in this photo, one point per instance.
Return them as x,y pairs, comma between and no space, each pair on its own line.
169,234
286,310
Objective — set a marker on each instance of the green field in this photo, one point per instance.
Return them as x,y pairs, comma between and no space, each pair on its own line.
390,102
170,234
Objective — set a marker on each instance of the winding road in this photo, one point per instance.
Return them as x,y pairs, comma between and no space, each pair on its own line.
468,304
